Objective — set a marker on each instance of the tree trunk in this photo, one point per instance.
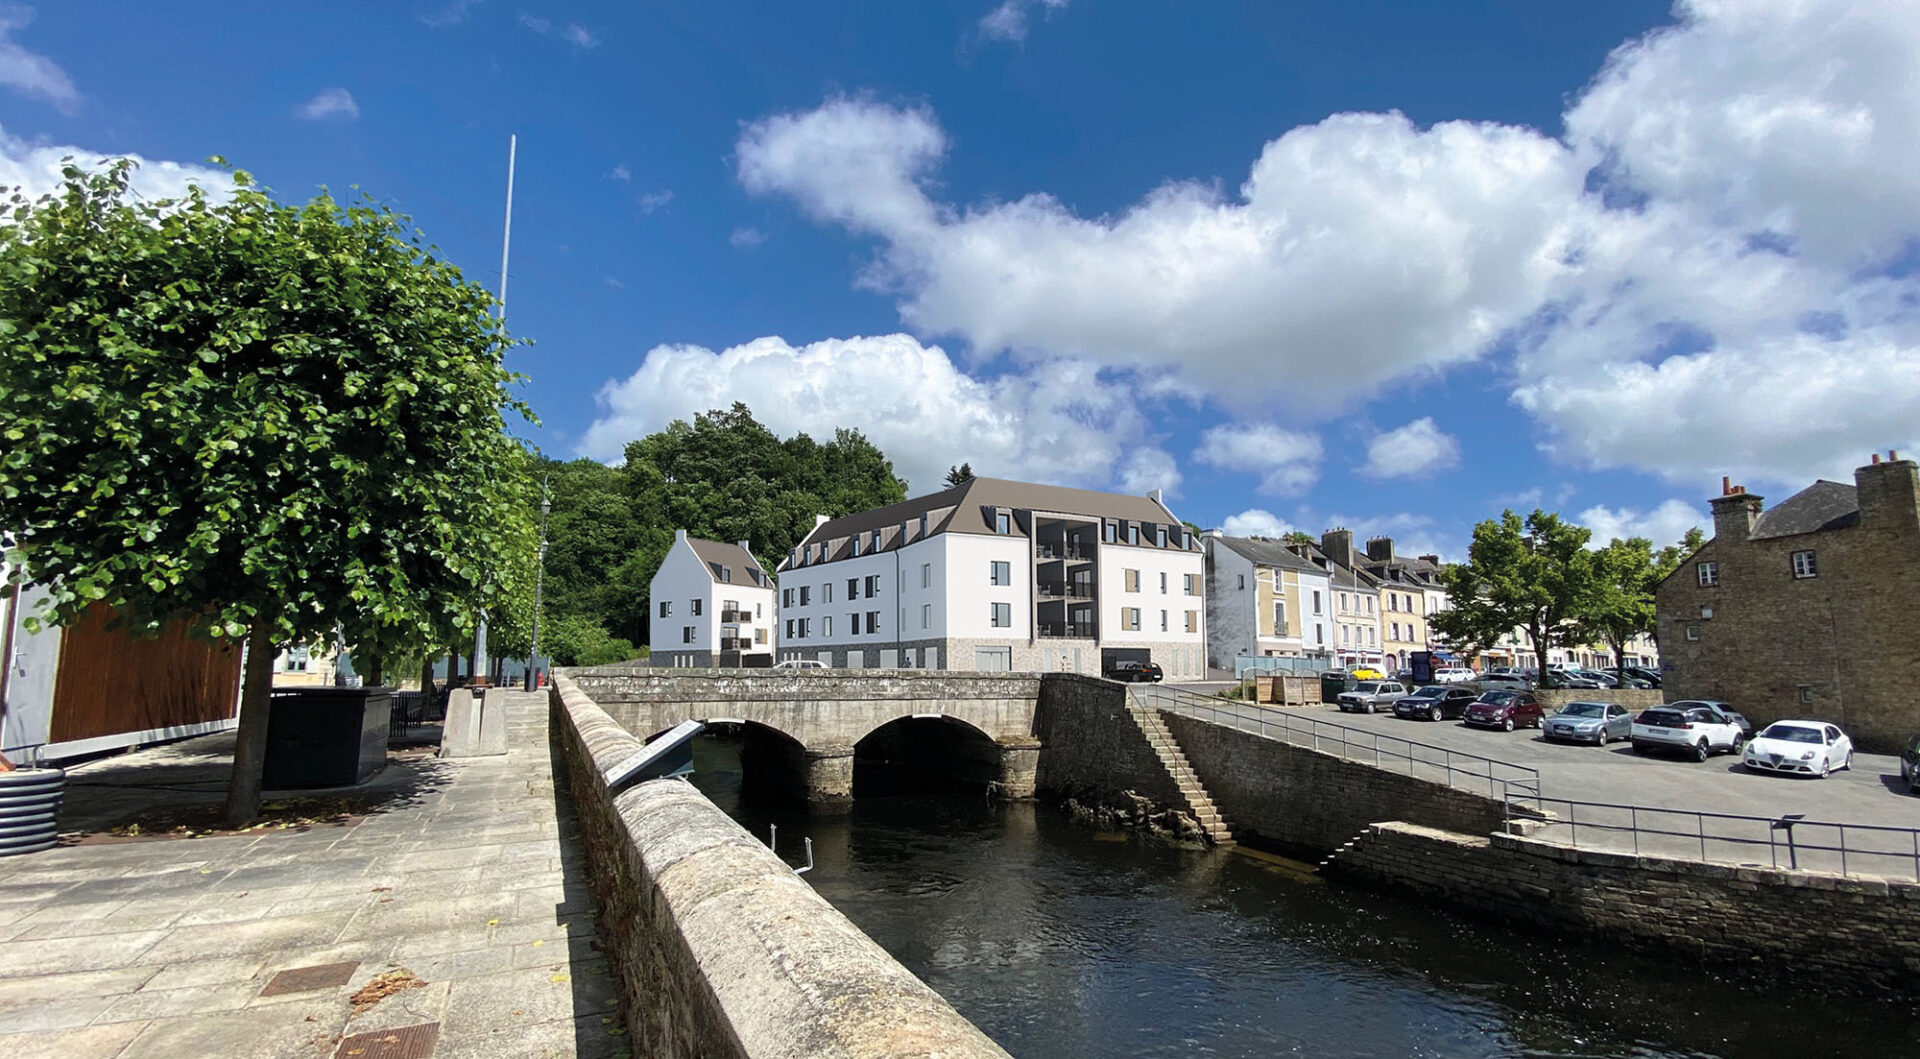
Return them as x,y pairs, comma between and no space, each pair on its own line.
1541,645
250,741
426,677
376,671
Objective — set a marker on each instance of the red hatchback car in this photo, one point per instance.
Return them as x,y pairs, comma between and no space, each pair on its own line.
1504,709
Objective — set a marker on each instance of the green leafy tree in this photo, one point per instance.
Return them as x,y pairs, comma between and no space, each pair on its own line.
1535,575
256,418
1628,572
959,475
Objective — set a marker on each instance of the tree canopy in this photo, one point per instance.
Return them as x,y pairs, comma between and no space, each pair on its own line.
262,419
959,475
724,477
1536,575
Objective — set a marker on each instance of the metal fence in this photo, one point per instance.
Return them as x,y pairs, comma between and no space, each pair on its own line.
1299,667
1518,785
1791,842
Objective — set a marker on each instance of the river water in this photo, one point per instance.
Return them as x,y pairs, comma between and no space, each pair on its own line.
1059,940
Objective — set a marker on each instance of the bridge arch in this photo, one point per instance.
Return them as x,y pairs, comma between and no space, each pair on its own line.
925,754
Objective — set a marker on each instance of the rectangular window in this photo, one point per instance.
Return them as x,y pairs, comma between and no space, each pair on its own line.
666,608
1003,523
1320,634
926,615
1369,600
855,544
786,598
826,592
1316,602
1133,533
1163,621
806,594
853,588
1346,634
696,607
1107,532
1193,621
853,623
686,634
873,585
1002,615
1395,630
826,625
1000,573
1130,618
756,610
1160,536
873,541
789,628
1279,617
806,627
1188,581
1693,630
873,621
1242,582
1133,580
1344,603
1803,564
926,575
726,574
923,525
1708,573
759,636
1163,582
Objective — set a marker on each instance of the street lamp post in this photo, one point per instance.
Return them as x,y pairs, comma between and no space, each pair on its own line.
539,582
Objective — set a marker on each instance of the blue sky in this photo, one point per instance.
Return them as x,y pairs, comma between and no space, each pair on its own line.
1387,266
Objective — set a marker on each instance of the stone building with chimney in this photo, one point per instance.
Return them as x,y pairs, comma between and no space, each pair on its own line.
1805,609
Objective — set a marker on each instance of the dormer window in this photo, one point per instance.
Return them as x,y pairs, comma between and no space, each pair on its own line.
874,541
923,526
1160,536
1003,523
1108,532
1133,533
726,574
856,546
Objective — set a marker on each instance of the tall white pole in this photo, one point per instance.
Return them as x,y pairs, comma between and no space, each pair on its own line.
506,245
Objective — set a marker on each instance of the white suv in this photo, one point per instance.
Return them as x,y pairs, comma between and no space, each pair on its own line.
1697,730
800,663
1452,675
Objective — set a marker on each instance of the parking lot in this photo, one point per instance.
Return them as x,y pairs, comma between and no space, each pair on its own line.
1871,793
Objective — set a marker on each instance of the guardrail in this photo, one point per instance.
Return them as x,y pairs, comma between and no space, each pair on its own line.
1791,842
1517,785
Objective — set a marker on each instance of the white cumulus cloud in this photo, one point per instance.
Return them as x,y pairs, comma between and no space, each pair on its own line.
29,72
330,103
1713,270
1663,525
35,169
1420,447
1287,461
1255,522
1008,21
1063,422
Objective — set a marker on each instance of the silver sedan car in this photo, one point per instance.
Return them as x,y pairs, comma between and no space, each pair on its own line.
1590,722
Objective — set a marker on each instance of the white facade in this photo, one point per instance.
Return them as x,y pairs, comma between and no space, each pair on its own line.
983,576
1277,608
701,607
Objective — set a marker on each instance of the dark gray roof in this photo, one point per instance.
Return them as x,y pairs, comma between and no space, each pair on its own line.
1339,573
1269,552
1823,505
970,507
740,564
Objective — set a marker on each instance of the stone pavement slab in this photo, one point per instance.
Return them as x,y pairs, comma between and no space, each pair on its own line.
470,880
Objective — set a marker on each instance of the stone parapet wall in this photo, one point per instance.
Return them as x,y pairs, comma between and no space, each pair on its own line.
1553,700
1844,930
720,950
1305,798
1091,751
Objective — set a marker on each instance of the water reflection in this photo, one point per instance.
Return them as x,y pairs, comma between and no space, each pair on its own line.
1058,940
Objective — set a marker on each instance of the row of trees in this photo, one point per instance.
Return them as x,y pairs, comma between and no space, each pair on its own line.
1540,575
275,423
724,477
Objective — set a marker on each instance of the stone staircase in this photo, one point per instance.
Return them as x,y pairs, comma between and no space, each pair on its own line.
1198,803
1328,860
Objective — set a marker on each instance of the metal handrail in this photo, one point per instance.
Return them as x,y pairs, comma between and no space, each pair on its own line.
1904,844
1511,783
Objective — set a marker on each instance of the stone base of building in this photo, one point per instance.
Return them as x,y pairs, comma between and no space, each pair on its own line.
1179,660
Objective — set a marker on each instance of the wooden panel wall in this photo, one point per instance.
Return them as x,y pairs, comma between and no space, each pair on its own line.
111,683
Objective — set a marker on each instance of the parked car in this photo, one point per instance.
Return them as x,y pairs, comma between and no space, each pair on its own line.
1370,696
1590,722
1573,678
1725,708
1910,765
1506,681
1806,748
800,663
1651,676
1452,675
1434,702
1367,673
1136,672
1690,728
1504,709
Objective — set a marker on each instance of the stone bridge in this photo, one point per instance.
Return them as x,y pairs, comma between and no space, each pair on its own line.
973,727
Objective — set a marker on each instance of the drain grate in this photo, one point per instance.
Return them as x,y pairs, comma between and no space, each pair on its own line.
305,979
406,1042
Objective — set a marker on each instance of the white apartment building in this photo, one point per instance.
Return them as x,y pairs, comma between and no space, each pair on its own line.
712,605
1356,629
998,576
1264,600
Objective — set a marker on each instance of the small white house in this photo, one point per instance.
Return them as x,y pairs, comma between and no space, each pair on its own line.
712,605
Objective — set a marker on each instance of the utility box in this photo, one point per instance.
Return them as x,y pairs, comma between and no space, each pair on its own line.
325,737
1332,683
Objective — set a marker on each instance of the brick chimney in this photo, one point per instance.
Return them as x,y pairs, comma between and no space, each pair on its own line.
1380,549
1889,493
1734,511
1337,544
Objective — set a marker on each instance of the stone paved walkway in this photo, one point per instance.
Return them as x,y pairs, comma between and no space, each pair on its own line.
472,881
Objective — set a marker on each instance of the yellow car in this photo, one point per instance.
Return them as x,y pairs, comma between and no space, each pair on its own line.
1367,673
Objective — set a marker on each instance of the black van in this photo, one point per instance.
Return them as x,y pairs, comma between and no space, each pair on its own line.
1910,765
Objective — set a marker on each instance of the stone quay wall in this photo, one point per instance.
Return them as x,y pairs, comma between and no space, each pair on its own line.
1844,930
1553,700
719,948
1092,752
1310,799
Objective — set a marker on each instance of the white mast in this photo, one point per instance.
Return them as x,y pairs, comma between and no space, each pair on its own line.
506,244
